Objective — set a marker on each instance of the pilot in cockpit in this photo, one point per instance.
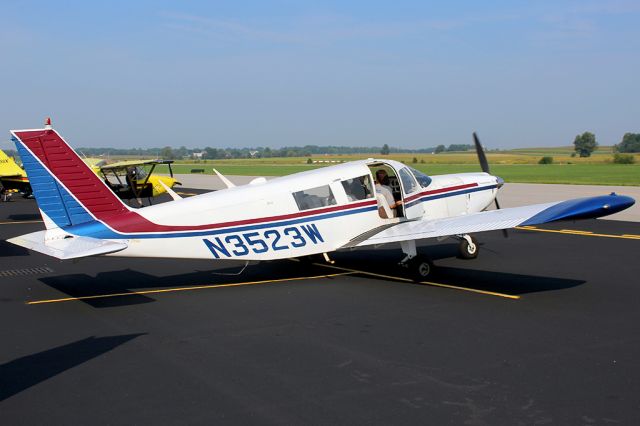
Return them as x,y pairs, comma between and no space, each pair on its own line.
383,188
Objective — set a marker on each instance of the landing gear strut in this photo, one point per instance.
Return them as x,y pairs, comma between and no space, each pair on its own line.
469,247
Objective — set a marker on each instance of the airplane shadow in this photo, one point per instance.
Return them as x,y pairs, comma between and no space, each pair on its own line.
25,372
9,250
500,282
128,281
24,217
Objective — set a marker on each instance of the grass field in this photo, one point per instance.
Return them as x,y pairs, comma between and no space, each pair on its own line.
578,173
561,155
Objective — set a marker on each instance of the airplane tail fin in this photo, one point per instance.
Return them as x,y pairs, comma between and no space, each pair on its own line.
67,191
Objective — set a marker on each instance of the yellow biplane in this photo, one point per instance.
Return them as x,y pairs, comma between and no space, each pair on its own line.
134,179
128,179
12,177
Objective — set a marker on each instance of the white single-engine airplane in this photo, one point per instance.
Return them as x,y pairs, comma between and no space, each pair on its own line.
308,213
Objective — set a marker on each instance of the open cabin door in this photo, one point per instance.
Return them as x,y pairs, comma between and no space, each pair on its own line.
413,207
396,184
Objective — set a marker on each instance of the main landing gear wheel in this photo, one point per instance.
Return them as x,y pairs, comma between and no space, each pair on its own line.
421,268
469,247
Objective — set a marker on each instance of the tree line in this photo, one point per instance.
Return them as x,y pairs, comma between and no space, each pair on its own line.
586,143
210,153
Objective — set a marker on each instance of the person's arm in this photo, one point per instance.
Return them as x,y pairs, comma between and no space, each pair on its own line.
396,204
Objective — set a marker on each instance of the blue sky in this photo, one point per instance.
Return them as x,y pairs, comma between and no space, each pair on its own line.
255,73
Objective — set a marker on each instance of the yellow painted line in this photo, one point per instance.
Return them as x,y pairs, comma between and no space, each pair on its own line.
186,193
573,231
176,289
453,287
583,233
356,271
14,222
473,290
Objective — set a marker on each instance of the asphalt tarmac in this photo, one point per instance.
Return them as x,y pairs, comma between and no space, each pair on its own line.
542,328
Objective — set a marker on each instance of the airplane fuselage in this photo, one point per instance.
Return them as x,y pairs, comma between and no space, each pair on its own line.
306,213
265,220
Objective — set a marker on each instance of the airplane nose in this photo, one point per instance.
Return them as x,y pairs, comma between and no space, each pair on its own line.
499,181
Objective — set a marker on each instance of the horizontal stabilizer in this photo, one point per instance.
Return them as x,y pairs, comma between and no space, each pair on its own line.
67,248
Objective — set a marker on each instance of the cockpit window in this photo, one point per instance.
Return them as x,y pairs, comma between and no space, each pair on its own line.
408,183
139,173
312,198
422,179
358,188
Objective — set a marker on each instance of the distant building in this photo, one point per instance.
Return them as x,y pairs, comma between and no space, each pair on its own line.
198,155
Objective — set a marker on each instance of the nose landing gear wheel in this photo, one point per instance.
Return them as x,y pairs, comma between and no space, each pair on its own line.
468,250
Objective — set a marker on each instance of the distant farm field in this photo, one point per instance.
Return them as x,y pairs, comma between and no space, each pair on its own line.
597,170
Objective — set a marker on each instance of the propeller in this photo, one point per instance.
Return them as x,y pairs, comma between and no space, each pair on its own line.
484,165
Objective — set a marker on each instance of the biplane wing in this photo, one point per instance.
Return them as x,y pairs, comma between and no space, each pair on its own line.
133,163
129,180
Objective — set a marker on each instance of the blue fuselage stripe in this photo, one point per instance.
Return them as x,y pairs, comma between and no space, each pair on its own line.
98,230
450,194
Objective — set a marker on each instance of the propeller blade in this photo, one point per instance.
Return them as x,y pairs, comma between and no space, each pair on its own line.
484,164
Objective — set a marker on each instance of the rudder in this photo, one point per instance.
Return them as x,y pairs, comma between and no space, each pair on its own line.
67,191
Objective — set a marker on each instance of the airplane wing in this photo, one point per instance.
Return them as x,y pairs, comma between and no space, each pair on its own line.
581,208
67,248
94,162
131,163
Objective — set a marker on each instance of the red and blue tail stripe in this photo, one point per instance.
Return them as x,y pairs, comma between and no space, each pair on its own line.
66,189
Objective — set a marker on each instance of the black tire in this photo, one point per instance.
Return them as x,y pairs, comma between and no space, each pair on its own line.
421,268
468,252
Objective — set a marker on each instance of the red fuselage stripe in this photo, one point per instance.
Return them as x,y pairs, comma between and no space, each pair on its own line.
119,224
439,191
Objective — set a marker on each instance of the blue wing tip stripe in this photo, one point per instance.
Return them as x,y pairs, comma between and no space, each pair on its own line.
582,208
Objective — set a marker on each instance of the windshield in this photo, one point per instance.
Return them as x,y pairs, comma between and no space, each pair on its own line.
139,173
408,182
422,179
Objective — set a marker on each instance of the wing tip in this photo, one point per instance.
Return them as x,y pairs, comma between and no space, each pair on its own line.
582,208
